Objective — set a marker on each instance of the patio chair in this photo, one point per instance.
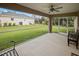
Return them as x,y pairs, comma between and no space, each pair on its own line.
10,52
74,54
73,37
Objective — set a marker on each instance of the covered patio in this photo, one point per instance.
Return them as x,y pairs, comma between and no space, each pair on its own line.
50,44
43,9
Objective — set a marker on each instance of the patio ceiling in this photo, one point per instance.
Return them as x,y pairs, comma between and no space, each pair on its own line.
69,9
44,7
18,7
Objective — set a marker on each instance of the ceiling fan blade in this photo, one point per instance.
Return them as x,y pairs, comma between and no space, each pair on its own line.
49,12
59,8
56,10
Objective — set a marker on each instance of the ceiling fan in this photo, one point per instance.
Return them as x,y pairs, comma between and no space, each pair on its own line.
52,9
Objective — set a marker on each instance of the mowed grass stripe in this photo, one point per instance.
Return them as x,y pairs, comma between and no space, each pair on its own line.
21,36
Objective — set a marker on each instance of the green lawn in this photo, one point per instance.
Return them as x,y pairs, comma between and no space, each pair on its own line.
23,34
61,29
11,28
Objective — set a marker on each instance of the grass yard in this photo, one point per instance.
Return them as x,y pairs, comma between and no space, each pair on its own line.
13,28
61,29
20,34
23,34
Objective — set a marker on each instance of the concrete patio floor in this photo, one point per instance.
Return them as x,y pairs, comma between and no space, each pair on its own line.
50,44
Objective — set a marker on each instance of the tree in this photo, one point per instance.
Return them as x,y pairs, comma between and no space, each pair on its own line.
44,20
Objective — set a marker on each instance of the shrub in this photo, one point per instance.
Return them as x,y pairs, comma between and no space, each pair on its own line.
30,23
14,24
10,24
5,24
0,25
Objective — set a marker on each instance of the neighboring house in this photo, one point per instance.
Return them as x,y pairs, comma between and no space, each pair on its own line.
9,19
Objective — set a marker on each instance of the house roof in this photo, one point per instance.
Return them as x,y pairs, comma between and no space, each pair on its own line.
10,14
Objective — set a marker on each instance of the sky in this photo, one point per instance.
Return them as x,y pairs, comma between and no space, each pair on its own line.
4,10
17,12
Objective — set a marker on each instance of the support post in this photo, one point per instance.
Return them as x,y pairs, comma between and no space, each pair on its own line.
58,25
76,24
50,24
67,25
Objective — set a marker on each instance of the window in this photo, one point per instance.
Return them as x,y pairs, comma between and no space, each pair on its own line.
20,23
12,19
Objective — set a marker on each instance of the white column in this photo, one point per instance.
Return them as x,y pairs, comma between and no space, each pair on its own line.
58,24
67,25
50,24
76,23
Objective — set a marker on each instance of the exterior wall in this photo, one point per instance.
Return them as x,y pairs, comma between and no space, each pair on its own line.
16,21
28,22
4,20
